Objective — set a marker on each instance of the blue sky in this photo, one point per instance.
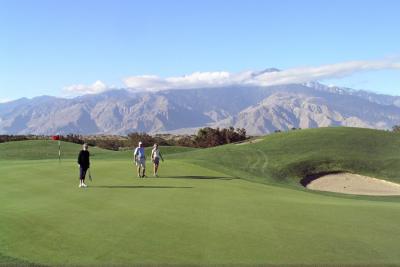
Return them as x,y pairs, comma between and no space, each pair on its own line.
48,46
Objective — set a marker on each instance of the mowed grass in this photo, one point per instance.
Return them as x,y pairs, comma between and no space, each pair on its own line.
285,158
198,212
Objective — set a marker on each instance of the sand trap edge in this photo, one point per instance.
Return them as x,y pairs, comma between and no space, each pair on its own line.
350,183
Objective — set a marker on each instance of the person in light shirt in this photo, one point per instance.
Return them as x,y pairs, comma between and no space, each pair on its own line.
140,160
155,158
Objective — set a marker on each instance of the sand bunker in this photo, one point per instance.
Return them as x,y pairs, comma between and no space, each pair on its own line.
349,183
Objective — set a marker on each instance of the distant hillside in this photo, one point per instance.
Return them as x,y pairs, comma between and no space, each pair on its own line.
259,110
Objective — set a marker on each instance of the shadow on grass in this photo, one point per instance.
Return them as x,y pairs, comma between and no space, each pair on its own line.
139,186
311,177
200,177
10,261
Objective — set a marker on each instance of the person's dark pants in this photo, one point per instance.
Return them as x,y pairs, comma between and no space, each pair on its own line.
82,172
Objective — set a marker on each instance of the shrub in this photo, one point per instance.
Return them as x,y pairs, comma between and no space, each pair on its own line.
135,137
209,137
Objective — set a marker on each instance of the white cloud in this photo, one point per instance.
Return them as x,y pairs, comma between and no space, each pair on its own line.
194,80
223,78
5,100
80,89
308,74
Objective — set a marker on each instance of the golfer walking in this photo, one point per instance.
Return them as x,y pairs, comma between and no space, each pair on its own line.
140,160
84,164
155,158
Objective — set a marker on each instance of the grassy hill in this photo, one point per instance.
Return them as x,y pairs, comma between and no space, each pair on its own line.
288,157
202,211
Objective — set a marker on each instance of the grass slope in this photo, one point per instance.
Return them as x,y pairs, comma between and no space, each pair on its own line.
200,212
288,157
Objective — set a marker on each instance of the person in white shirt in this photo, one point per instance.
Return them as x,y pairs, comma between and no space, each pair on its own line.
140,160
155,158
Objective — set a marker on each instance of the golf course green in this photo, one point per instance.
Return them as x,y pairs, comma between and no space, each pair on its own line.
237,204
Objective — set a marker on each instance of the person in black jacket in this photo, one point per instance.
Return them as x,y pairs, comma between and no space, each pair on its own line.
84,164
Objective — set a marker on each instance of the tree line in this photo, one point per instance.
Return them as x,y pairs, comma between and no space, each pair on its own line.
205,137
9,137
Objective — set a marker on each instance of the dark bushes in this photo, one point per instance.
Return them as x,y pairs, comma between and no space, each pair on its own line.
209,137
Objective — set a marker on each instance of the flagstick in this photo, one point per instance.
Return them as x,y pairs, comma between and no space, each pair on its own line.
59,150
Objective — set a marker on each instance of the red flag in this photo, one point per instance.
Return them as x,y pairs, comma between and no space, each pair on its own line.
57,138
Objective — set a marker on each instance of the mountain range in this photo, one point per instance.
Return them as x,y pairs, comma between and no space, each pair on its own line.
259,110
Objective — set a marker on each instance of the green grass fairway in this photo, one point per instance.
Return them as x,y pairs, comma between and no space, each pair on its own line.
230,205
